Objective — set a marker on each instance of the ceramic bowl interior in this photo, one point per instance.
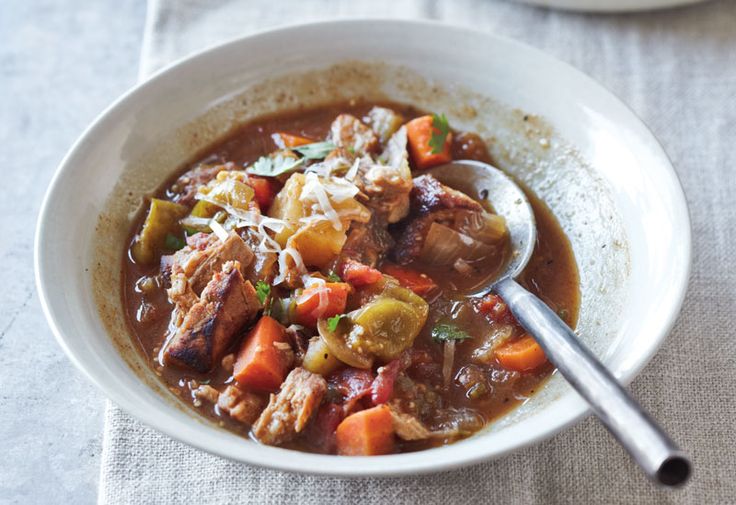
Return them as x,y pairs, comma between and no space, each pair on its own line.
596,165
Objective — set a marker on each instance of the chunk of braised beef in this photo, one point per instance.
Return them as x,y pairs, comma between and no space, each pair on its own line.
367,243
243,406
185,187
431,202
429,194
205,254
209,327
299,340
347,131
289,411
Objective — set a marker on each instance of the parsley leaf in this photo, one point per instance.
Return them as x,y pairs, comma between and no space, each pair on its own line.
333,277
273,167
262,291
316,150
440,131
333,321
174,243
446,332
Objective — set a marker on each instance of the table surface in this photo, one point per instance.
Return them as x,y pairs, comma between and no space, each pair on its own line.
61,63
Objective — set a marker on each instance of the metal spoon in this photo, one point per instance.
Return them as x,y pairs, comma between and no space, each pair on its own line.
645,441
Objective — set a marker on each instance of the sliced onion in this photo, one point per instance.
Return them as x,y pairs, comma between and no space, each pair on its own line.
444,246
481,226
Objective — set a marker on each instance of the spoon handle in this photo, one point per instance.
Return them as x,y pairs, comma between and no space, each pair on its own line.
645,441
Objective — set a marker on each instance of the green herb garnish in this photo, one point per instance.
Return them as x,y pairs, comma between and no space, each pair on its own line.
333,277
316,150
174,243
263,289
447,332
333,321
440,131
266,166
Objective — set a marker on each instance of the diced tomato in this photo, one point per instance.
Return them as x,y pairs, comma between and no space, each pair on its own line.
264,192
359,274
383,386
496,310
418,282
321,302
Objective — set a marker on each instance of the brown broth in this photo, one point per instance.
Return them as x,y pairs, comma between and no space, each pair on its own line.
551,274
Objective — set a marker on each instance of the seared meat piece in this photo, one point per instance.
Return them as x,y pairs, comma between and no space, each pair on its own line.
412,238
207,393
204,255
431,202
347,131
388,185
208,328
429,195
243,406
367,243
408,427
186,185
299,342
289,411
384,122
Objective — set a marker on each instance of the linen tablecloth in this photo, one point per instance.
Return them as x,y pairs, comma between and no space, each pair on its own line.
677,69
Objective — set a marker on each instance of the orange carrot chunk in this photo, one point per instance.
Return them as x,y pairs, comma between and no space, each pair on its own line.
418,282
291,141
522,355
321,302
260,364
419,133
366,433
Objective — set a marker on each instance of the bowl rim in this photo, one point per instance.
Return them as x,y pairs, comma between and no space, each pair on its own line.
390,465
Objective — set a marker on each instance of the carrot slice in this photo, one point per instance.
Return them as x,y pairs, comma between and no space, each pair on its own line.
521,355
260,364
418,282
419,133
320,302
291,141
366,433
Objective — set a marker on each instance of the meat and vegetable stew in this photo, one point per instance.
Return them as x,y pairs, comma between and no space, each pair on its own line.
306,284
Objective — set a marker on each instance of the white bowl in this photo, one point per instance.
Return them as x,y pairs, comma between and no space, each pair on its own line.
610,5
615,193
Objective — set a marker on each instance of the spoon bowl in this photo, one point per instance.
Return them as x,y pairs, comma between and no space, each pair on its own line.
492,186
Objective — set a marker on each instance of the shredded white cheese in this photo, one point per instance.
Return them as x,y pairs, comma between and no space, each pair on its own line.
218,230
